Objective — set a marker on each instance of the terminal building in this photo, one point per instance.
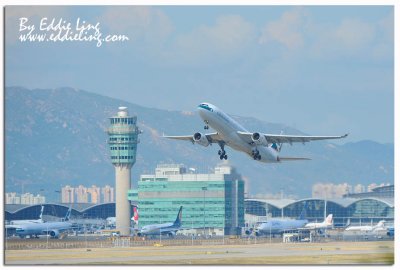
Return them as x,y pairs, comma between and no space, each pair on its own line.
358,211
213,204
378,192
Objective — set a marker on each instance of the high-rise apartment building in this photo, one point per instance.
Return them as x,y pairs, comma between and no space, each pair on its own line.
81,194
108,194
94,193
67,194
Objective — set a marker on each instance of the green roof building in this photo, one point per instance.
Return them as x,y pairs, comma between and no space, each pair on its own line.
213,204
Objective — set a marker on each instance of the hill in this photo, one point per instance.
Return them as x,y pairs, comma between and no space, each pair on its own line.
55,137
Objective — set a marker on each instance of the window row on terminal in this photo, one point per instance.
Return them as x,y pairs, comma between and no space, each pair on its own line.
121,157
128,121
122,139
121,148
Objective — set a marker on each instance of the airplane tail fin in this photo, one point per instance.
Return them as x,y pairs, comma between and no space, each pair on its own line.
68,215
135,217
303,212
328,220
41,213
380,224
347,223
178,218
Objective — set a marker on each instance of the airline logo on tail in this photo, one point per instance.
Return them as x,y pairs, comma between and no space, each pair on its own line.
328,220
135,217
380,224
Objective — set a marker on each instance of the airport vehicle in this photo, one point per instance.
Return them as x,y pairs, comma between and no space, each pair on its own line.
28,221
260,146
368,228
280,226
169,228
53,229
327,223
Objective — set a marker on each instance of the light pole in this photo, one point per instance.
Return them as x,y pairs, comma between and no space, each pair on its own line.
192,232
204,210
59,192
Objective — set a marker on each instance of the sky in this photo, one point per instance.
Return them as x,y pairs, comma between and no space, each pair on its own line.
325,70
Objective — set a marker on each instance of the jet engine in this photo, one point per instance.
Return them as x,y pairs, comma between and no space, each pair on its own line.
259,139
54,233
171,234
249,231
201,139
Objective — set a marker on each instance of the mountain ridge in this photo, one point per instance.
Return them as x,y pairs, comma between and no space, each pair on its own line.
57,136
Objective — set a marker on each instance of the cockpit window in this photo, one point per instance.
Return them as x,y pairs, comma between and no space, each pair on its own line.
205,106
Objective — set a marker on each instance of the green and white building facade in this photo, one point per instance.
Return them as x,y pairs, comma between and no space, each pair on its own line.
213,204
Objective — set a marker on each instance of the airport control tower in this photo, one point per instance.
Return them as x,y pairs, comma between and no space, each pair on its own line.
123,140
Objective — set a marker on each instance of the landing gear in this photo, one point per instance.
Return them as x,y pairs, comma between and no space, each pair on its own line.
256,154
206,126
222,153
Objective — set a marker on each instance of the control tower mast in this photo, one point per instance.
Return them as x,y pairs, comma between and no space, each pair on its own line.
123,140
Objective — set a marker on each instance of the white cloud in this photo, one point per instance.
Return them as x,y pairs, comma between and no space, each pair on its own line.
385,35
288,30
352,34
352,38
32,13
229,35
138,22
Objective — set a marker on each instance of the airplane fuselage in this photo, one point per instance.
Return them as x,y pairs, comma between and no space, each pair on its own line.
317,226
280,226
41,228
228,128
157,229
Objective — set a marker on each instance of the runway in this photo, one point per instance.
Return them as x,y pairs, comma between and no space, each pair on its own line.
381,252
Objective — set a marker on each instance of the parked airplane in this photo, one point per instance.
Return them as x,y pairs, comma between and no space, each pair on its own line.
320,225
279,226
112,220
29,221
259,146
54,229
368,228
169,228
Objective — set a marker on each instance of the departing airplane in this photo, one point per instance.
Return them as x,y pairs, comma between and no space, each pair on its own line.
327,223
259,146
169,228
29,221
368,228
54,229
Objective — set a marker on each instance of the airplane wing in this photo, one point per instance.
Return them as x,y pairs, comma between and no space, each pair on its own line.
293,158
211,137
276,138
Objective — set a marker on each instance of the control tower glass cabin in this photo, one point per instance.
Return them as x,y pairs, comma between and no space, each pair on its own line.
123,138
